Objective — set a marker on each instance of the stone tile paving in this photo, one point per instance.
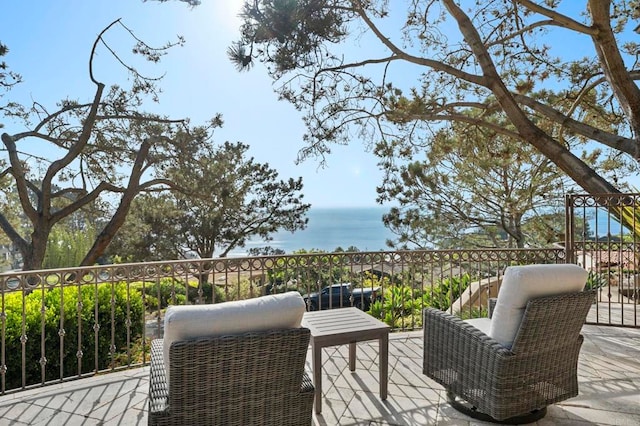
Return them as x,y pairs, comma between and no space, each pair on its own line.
609,374
109,399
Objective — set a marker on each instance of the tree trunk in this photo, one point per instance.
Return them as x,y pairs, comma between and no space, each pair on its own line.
117,220
575,168
34,252
615,71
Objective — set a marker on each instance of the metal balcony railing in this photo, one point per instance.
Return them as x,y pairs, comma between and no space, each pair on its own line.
61,324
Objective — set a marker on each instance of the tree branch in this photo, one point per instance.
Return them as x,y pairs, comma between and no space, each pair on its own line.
18,173
520,32
624,88
148,185
118,218
93,52
51,117
436,65
582,174
134,117
614,141
83,201
561,19
34,134
74,150
13,235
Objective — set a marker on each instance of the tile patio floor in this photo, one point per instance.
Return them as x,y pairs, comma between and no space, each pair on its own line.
609,373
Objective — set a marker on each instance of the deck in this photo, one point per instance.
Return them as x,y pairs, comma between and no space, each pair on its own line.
609,375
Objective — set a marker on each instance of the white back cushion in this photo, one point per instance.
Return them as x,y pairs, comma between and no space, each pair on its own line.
259,314
522,283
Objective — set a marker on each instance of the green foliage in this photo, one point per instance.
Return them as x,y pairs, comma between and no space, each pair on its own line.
209,290
332,269
169,291
472,189
228,198
223,199
108,150
595,280
432,83
76,311
443,294
144,236
371,280
67,247
282,287
474,312
400,307
265,251
295,29
7,78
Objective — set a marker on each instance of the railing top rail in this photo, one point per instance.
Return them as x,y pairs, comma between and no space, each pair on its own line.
387,254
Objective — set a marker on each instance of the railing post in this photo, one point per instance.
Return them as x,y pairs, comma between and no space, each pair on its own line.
569,230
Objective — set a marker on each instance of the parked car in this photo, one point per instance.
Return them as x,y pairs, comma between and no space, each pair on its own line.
342,296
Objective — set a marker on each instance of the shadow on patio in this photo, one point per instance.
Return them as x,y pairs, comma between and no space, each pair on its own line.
609,376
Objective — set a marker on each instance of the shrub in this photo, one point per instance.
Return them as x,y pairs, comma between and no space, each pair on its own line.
67,247
170,291
207,293
165,292
399,307
595,280
474,312
87,312
402,305
442,295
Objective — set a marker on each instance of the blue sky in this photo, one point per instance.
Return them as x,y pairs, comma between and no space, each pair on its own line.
50,43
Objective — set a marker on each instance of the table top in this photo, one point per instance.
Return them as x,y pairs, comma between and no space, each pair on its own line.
350,323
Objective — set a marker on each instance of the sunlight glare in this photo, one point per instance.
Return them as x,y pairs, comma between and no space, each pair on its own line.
226,13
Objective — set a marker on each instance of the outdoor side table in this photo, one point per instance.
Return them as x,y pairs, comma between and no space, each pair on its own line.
339,327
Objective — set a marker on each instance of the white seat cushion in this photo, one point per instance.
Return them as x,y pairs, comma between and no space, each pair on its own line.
522,283
259,314
482,324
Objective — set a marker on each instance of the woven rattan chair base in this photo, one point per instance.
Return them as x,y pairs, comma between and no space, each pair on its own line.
469,410
250,379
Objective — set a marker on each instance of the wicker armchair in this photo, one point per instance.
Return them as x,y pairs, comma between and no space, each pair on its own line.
248,379
509,382
237,376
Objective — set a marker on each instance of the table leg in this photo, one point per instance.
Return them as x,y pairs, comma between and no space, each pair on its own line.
384,364
352,356
316,356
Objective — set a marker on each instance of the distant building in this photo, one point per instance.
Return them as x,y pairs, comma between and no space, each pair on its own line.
10,258
5,258
603,260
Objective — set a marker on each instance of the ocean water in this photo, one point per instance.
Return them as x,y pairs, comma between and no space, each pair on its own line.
362,227
330,228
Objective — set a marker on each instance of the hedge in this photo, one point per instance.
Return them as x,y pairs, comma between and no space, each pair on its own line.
75,316
171,291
